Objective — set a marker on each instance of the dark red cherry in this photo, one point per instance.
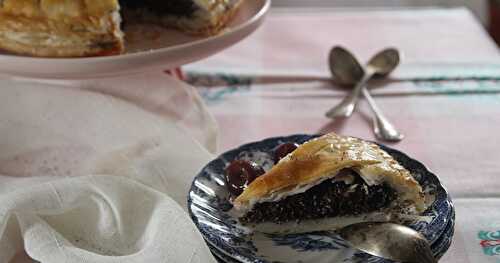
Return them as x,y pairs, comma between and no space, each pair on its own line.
283,150
239,174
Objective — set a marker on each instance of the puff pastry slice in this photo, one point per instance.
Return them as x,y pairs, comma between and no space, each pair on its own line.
80,28
318,166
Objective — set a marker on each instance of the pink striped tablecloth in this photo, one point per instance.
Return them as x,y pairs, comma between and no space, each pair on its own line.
275,83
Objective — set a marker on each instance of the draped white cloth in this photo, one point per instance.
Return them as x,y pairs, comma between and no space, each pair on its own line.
99,170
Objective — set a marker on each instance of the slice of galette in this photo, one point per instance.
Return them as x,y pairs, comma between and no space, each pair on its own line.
331,176
82,28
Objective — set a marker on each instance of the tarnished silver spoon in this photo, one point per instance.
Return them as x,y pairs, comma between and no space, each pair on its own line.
347,70
389,241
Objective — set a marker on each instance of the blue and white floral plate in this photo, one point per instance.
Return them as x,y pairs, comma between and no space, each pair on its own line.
209,207
439,247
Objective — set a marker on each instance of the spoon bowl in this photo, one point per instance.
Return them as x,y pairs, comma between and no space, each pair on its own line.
384,62
389,241
344,66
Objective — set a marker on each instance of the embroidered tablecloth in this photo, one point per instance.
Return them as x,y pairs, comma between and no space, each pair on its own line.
276,83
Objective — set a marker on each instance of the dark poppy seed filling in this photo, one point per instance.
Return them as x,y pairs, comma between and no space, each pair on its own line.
181,8
327,199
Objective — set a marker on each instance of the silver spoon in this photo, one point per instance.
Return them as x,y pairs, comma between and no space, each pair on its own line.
389,241
347,70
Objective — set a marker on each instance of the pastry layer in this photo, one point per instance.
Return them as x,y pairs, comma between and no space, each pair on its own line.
60,28
328,199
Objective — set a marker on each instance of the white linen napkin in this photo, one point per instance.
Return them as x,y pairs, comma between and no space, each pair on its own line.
100,172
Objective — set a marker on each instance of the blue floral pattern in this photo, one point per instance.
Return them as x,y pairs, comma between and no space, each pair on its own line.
315,241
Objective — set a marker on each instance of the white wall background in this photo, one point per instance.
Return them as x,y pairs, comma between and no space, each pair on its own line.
479,7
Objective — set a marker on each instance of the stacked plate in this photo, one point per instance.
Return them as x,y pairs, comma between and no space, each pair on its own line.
210,209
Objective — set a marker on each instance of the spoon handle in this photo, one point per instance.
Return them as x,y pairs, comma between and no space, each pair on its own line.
346,106
383,128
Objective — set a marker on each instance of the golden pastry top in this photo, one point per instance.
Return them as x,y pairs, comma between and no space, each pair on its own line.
322,158
56,9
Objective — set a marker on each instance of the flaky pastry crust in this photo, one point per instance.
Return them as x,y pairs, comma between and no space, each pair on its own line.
60,28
